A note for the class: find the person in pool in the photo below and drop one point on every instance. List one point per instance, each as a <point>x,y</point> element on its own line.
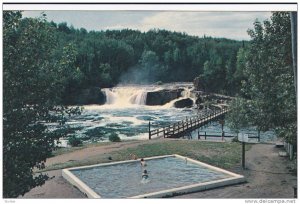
<point>145,174</point>
<point>143,162</point>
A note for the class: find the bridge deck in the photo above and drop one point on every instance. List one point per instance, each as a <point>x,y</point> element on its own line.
<point>183,127</point>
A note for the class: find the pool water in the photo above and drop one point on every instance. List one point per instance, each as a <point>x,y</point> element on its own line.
<point>125,179</point>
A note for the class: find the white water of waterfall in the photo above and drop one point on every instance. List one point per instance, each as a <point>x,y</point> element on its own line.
<point>110,96</point>
<point>186,93</point>
<point>140,98</point>
<point>126,96</point>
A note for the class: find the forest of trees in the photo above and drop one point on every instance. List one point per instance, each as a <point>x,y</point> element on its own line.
<point>107,58</point>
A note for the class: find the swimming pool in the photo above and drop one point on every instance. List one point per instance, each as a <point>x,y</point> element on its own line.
<point>168,175</point>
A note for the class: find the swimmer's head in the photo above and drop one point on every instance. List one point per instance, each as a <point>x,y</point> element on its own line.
<point>145,171</point>
<point>142,159</point>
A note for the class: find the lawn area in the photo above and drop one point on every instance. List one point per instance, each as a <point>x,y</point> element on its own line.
<point>221,154</point>
<point>224,155</point>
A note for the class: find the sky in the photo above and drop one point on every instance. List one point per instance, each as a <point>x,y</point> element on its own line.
<point>232,25</point>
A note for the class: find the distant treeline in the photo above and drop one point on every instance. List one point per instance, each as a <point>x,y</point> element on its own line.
<point>107,58</point>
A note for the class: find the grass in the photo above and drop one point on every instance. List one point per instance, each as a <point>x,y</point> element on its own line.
<point>221,154</point>
<point>224,155</point>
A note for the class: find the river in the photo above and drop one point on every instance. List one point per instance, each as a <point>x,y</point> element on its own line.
<point>126,114</point>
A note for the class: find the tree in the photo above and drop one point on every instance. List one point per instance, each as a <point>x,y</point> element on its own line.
<point>269,85</point>
<point>237,116</point>
<point>150,66</point>
<point>33,81</point>
<point>214,74</point>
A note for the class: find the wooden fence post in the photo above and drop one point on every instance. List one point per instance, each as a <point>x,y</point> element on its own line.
<point>173,130</point>
<point>243,155</point>
<point>205,135</point>
<point>149,132</point>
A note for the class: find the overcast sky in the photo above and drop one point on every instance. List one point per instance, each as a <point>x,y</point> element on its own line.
<point>232,25</point>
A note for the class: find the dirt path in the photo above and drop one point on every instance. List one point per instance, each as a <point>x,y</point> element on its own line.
<point>266,173</point>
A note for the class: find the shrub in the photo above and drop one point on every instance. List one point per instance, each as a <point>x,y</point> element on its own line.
<point>235,139</point>
<point>114,137</point>
<point>74,141</point>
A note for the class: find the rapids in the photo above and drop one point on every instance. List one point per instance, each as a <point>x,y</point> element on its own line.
<point>126,114</point>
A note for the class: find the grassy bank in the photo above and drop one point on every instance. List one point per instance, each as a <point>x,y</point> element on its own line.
<point>224,155</point>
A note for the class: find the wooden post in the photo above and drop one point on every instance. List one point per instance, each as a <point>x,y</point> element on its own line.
<point>173,129</point>
<point>258,135</point>
<point>223,135</point>
<point>205,135</point>
<point>198,135</point>
<point>293,16</point>
<point>149,132</point>
<point>243,155</point>
<point>164,133</point>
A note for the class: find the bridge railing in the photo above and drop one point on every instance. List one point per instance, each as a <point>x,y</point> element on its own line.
<point>205,135</point>
<point>185,125</point>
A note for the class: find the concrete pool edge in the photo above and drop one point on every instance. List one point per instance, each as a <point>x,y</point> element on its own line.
<point>84,188</point>
<point>192,188</point>
<point>119,162</point>
<point>79,184</point>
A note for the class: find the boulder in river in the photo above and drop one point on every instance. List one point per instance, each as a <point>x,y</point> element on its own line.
<point>162,97</point>
<point>199,84</point>
<point>200,106</point>
<point>184,103</point>
<point>92,95</point>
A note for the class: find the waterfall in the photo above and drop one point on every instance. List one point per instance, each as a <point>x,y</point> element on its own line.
<point>186,93</point>
<point>110,96</point>
<point>126,96</point>
<point>140,98</point>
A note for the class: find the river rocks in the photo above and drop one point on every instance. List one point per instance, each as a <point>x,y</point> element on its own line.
<point>199,100</point>
<point>184,103</point>
<point>199,84</point>
<point>92,95</point>
<point>162,97</point>
<point>200,106</point>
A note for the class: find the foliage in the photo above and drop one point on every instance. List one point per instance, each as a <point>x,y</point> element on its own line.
<point>106,58</point>
<point>113,137</point>
<point>74,141</point>
<point>237,116</point>
<point>33,82</point>
<point>269,85</point>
